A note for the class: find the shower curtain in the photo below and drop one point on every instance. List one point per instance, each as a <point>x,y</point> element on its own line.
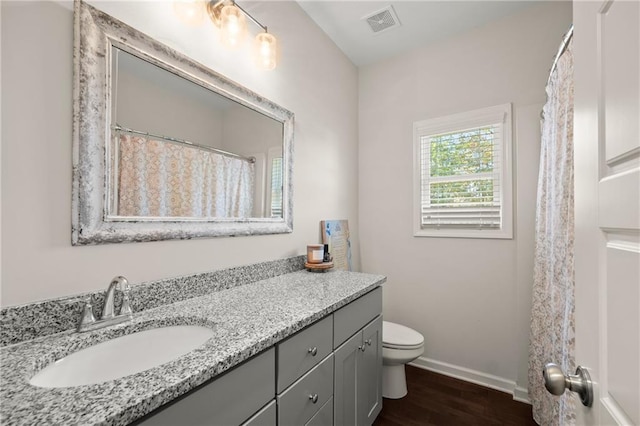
<point>552,320</point>
<point>160,179</point>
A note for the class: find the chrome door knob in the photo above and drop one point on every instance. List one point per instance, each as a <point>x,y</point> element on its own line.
<point>557,382</point>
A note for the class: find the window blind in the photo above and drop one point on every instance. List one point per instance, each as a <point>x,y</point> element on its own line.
<point>460,178</point>
<point>276,187</point>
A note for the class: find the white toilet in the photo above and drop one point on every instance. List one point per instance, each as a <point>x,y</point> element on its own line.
<point>400,345</point>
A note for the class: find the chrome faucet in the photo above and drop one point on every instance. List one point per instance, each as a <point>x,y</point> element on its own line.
<point>88,320</point>
<point>108,309</point>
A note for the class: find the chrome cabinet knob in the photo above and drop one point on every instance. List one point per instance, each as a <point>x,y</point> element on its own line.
<point>314,398</point>
<point>368,342</point>
<point>313,351</point>
<point>557,382</point>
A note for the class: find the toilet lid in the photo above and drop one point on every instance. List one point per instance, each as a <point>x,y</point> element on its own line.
<point>397,335</point>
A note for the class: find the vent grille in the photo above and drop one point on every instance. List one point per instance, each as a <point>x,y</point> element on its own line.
<point>383,20</point>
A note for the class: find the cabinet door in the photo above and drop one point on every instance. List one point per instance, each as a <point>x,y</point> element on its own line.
<point>345,381</point>
<point>226,400</point>
<point>369,401</point>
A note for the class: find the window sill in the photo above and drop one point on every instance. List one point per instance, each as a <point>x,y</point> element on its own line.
<point>496,234</point>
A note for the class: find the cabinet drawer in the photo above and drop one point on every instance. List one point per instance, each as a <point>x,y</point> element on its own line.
<point>351,318</point>
<point>264,417</point>
<point>296,405</point>
<point>324,417</point>
<point>226,400</point>
<point>303,351</point>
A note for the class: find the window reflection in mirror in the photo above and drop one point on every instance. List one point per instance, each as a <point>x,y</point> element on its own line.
<point>181,150</point>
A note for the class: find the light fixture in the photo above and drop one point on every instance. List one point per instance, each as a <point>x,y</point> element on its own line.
<point>233,26</point>
<point>230,18</point>
<point>266,49</point>
<point>189,12</point>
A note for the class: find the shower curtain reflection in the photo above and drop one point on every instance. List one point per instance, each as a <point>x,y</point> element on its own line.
<point>160,179</point>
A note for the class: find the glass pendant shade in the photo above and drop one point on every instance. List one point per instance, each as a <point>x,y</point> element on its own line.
<point>266,51</point>
<point>189,12</point>
<point>233,26</point>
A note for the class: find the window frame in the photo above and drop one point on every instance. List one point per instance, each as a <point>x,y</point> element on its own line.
<point>273,153</point>
<point>460,122</point>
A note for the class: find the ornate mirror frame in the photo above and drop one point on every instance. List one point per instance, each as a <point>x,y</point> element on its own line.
<point>95,33</point>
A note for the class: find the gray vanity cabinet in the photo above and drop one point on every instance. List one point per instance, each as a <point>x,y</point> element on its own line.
<point>264,417</point>
<point>351,339</point>
<point>358,361</point>
<point>299,403</point>
<point>302,351</point>
<point>328,373</point>
<point>345,380</point>
<point>369,403</point>
<point>305,375</point>
<point>358,377</point>
<point>230,399</point>
<point>324,416</point>
<point>351,318</point>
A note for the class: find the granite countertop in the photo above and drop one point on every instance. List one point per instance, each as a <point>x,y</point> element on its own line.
<point>246,320</point>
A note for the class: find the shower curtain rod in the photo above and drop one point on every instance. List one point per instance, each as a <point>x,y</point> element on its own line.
<point>563,47</point>
<point>119,128</point>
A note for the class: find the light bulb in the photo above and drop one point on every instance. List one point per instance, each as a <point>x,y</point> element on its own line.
<point>189,12</point>
<point>266,51</point>
<point>233,26</point>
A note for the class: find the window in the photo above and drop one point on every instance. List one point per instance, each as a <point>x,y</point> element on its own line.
<point>276,187</point>
<point>275,174</point>
<point>462,182</point>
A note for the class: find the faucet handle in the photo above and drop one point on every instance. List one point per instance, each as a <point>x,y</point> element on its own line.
<point>125,309</point>
<point>87,317</point>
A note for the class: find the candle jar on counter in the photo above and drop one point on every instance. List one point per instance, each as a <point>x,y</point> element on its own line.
<point>315,253</point>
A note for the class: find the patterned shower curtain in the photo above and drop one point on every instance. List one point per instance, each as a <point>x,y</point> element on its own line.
<point>552,335</point>
<point>162,179</point>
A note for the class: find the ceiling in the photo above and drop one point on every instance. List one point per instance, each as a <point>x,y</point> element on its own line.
<point>421,23</point>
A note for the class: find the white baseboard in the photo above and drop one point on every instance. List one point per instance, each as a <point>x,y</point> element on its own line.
<point>473,376</point>
<point>521,394</point>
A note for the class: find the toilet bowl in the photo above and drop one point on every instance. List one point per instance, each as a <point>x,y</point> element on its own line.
<point>400,345</point>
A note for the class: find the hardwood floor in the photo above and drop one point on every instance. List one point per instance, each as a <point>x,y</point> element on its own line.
<point>434,399</point>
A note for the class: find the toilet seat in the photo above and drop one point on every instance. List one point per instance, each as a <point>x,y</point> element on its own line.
<point>396,336</point>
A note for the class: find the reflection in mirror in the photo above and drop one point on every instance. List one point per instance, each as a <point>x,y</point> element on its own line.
<point>166,148</point>
<point>181,150</point>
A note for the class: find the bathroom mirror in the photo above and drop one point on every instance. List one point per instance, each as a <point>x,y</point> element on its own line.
<point>165,148</point>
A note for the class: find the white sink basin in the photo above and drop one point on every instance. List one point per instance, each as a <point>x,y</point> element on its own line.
<point>122,356</point>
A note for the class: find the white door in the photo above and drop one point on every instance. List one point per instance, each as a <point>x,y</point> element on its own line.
<point>607,202</point>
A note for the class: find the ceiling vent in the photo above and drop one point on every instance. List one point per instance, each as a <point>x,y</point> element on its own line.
<point>382,20</point>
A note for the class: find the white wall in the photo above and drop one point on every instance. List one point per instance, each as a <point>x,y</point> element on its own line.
<point>38,261</point>
<point>470,298</point>
<point>142,104</point>
<point>246,132</point>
